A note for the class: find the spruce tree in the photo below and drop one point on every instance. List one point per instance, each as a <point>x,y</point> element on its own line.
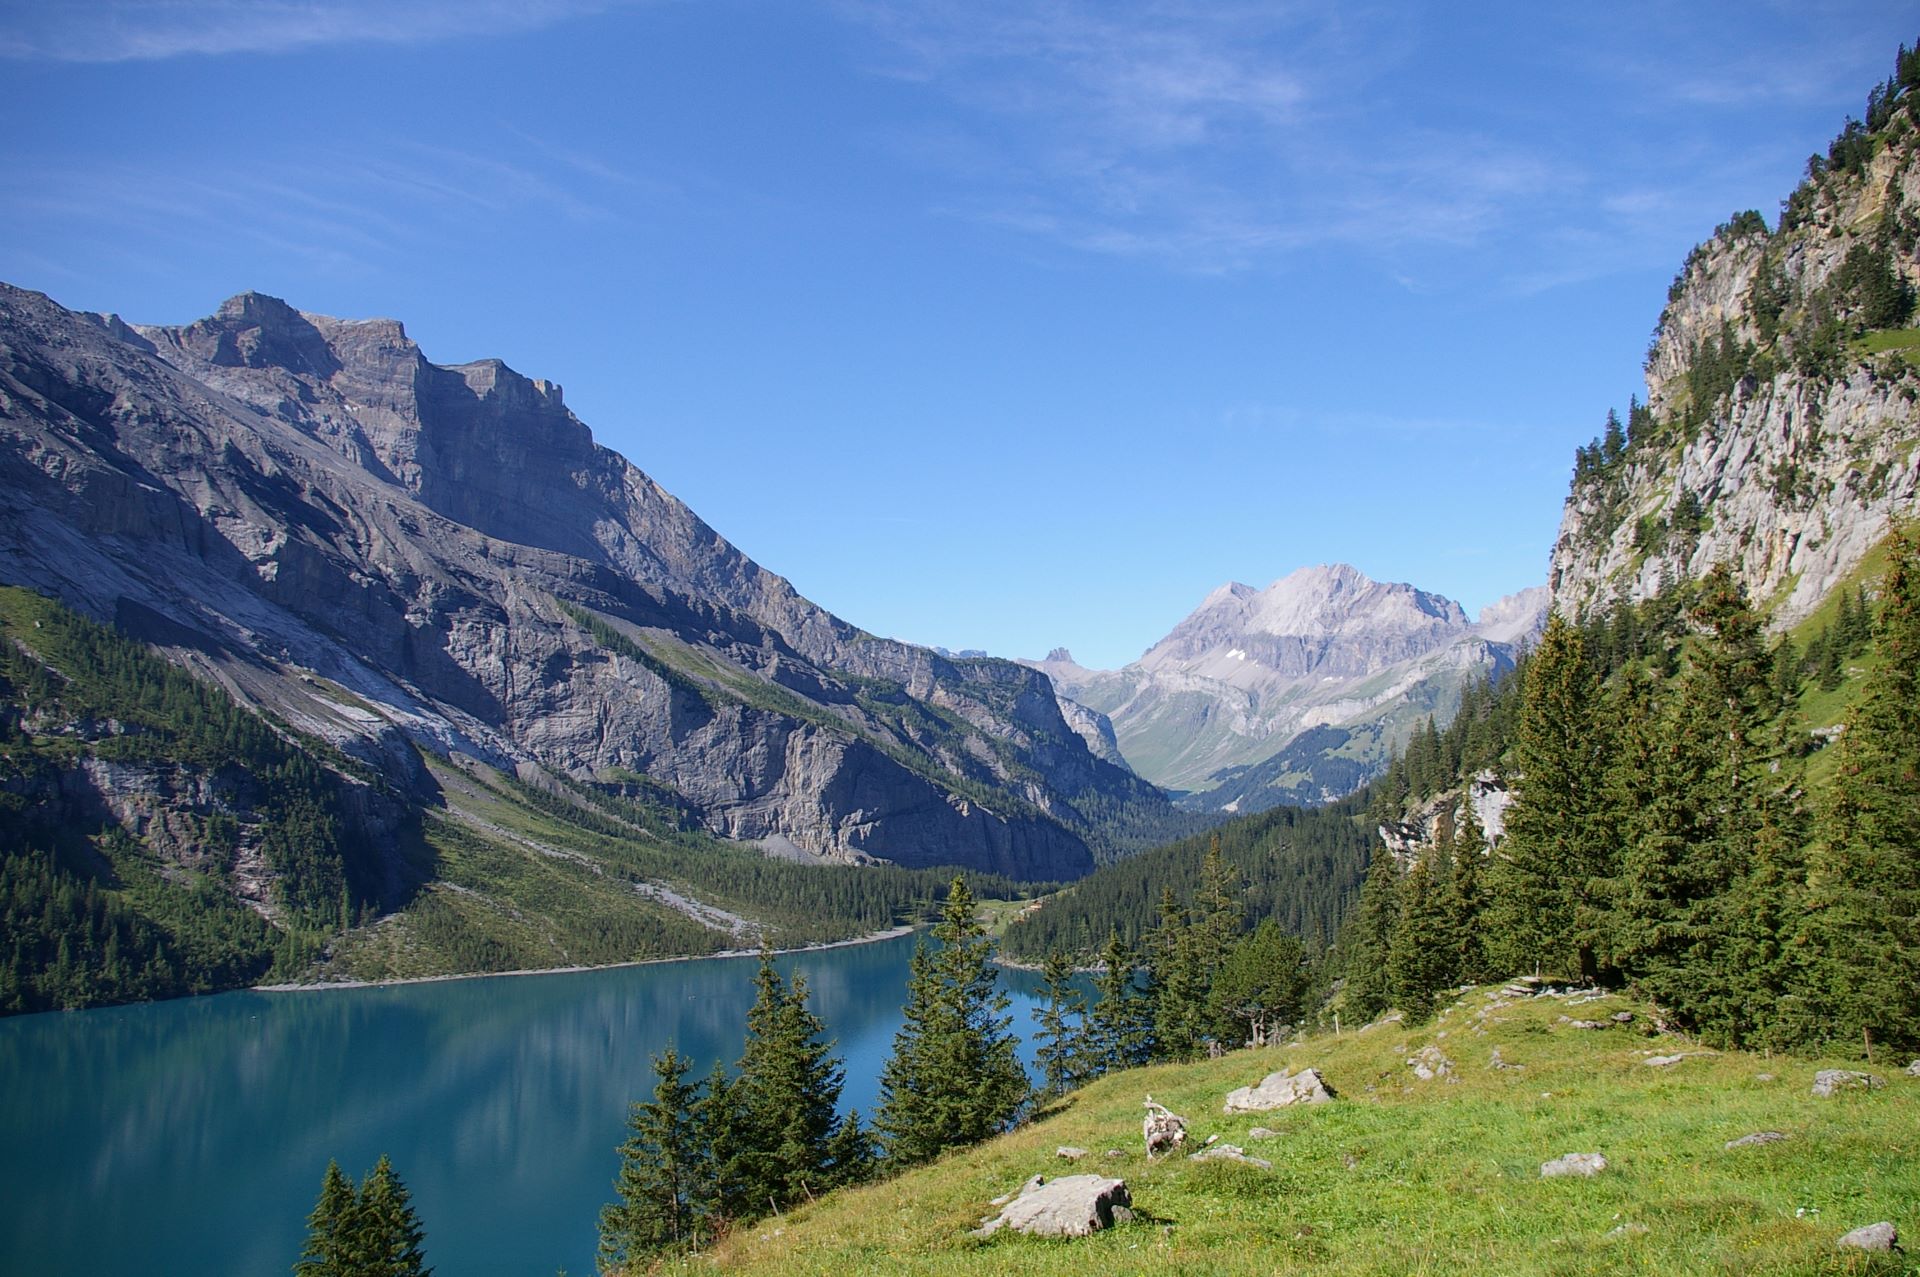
<point>1465,903</point>
<point>1865,876</point>
<point>1559,852</point>
<point>1366,941</point>
<point>1120,1025</point>
<point>389,1231</point>
<point>665,1182</point>
<point>1175,982</point>
<point>331,1233</point>
<point>783,1101</point>
<point>1062,1041</point>
<point>954,1078</point>
<point>1421,956</point>
<point>1262,986</point>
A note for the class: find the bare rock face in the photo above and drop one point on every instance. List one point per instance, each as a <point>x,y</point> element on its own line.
<point>1072,1206</point>
<point>278,496</point>
<point>1799,469</point>
<point>1280,1090</point>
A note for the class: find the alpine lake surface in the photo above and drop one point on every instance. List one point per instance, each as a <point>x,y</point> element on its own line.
<point>190,1136</point>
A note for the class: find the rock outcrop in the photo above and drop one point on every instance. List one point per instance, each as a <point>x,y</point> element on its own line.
<point>291,502</point>
<point>1780,429</point>
<point>1280,1090</point>
<point>1072,1206</point>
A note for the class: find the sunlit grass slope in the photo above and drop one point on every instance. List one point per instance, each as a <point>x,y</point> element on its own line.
<point>1405,1176</point>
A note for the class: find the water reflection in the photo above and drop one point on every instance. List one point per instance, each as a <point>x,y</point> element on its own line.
<point>190,1136</point>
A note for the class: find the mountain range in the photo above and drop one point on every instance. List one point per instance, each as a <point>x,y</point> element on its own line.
<point>408,559</point>
<point>1295,693</point>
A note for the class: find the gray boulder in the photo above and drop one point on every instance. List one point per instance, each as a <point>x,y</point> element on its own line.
<point>1280,1090</point>
<point>1881,1236</point>
<point>1913,1070</point>
<point>1428,1063</point>
<point>1072,1206</point>
<point>1828,1082</point>
<point>1573,1164</point>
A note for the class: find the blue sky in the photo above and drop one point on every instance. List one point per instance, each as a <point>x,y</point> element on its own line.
<point>998,325</point>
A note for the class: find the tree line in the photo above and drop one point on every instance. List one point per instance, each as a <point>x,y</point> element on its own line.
<point>1665,835</point>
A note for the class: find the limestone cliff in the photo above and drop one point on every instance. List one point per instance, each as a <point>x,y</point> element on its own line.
<point>293,503</point>
<point>1783,397</point>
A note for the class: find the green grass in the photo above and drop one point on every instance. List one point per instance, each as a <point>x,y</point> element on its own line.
<point>1888,339</point>
<point>1401,1176</point>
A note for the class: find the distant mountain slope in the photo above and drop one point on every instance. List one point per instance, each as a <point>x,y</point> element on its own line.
<point>282,499</point>
<point>1295,693</point>
<point>1783,397</point>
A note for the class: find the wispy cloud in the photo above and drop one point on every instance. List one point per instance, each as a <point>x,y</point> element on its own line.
<point>137,30</point>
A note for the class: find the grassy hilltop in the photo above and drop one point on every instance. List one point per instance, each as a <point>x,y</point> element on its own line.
<point>1406,1176</point>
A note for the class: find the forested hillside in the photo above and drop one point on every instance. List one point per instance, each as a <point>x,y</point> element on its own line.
<point>157,839</point>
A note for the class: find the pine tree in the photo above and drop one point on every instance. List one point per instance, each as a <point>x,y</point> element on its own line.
<point>331,1230</point>
<point>1175,983</point>
<point>954,1077</point>
<point>1120,1024</point>
<point>1558,852</point>
<point>782,1103</point>
<point>1420,959</point>
<point>1062,1040</point>
<point>1865,876</point>
<point>665,1184</point>
<point>1465,903</point>
<point>390,1236</point>
<point>1219,917</point>
<point>1366,941</point>
<point>1262,985</point>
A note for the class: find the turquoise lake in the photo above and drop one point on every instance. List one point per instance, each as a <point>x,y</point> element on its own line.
<point>190,1137</point>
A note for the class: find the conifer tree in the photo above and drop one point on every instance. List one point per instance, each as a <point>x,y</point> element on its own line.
<point>1262,985</point>
<point>1062,1041</point>
<point>389,1231</point>
<point>665,1184</point>
<point>331,1230</point>
<point>1558,851</point>
<point>1465,903</point>
<point>1176,983</point>
<point>1421,957</point>
<point>1120,1025</point>
<point>784,1099</point>
<point>1865,876</point>
<point>954,1077</point>
<point>1366,941</point>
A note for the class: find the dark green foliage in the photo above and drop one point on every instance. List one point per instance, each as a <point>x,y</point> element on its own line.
<point>1301,866</point>
<point>1365,952</point>
<point>664,1188</point>
<point>1063,1043</point>
<point>1262,987</point>
<point>1423,954</point>
<point>1559,851</point>
<point>1865,878</point>
<point>953,1078</point>
<point>1120,1023</point>
<point>368,1232</point>
<point>1870,289</point>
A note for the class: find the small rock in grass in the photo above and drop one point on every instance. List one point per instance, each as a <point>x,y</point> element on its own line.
<point>1629,1230</point>
<point>1262,1133</point>
<point>1763,1077</point>
<point>1881,1236</point>
<point>1279,1090</point>
<point>1756,1139</point>
<point>1498,1061</point>
<point>1833,1081</point>
<point>1113,1153</point>
<point>1229,1153</point>
<point>1428,1063</point>
<point>1913,1070</point>
<point>1587,1024</point>
<point>1623,1017</point>
<point>1070,1153</point>
<point>1664,1061</point>
<point>1582,1164</point>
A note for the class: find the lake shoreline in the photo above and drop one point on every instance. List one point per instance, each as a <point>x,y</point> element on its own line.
<point>322,986</point>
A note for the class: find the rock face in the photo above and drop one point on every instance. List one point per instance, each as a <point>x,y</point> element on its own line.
<point>281,498</point>
<point>1260,685</point>
<point>1788,462</point>
<point>1072,1206</point>
<point>1280,1090</point>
